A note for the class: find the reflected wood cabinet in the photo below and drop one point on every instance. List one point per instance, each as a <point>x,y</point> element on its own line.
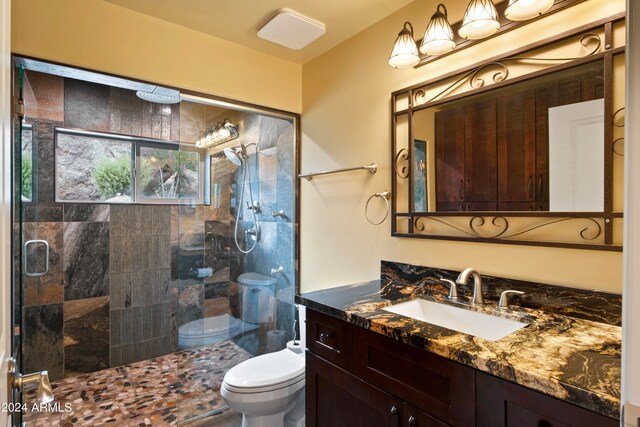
<point>386,383</point>
<point>492,154</point>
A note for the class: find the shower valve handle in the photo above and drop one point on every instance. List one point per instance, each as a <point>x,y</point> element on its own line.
<point>255,207</point>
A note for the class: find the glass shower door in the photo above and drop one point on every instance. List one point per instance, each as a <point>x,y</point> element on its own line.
<point>34,246</point>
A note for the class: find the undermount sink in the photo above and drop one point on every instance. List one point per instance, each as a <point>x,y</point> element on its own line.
<point>469,322</point>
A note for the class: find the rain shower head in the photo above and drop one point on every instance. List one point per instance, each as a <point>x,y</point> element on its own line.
<point>235,155</point>
<point>159,96</point>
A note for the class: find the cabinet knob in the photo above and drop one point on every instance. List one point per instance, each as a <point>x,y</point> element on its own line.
<point>393,421</point>
<point>412,421</point>
<point>539,189</point>
<point>324,337</point>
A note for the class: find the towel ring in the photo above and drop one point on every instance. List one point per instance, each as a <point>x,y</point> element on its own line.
<point>384,195</point>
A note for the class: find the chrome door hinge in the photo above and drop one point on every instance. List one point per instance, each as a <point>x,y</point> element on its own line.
<point>20,108</point>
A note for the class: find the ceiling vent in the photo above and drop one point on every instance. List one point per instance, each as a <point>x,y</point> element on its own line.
<point>291,29</point>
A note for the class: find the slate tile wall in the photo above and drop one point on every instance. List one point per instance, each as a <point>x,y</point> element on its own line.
<point>139,256</point>
<point>123,278</point>
<point>106,298</point>
<point>272,184</point>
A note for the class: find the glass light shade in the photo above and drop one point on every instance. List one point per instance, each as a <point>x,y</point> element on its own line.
<point>480,20</point>
<point>521,10</point>
<point>224,133</point>
<point>405,51</point>
<point>438,37</point>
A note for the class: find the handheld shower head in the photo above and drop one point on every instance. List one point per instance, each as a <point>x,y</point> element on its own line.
<point>235,155</point>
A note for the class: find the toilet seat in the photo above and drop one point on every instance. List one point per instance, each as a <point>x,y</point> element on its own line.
<point>210,330</point>
<point>293,385</point>
<point>267,372</point>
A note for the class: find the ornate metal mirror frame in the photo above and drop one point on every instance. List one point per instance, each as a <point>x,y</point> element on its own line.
<point>598,41</point>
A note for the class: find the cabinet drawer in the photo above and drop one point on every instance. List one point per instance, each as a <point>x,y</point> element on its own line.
<point>413,417</point>
<point>504,404</point>
<point>433,384</point>
<point>329,338</point>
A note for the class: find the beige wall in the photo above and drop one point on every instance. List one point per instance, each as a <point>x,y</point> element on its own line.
<point>346,122</point>
<point>101,36</point>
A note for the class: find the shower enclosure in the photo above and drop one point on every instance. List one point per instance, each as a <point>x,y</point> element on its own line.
<point>154,238</point>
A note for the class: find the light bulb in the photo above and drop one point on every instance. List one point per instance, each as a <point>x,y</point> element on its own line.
<point>521,10</point>
<point>438,37</point>
<point>480,20</point>
<point>405,51</point>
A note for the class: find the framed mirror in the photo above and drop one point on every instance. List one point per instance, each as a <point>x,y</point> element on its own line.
<point>526,148</point>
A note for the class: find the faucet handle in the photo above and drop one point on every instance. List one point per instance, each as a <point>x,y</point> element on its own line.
<point>503,304</point>
<point>453,289</point>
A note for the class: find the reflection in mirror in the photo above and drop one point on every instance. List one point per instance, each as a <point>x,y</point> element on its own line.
<point>419,176</point>
<point>27,162</point>
<point>535,145</point>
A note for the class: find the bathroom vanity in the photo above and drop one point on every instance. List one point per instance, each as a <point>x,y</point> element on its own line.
<point>368,367</point>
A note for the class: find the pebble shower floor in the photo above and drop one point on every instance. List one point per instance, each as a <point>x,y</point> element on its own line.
<point>164,391</point>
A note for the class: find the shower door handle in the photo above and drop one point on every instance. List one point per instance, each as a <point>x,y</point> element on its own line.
<point>26,258</point>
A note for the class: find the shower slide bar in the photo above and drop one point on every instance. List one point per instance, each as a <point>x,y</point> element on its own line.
<point>372,168</point>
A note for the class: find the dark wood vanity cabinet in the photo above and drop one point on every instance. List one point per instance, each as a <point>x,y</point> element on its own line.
<point>504,404</point>
<point>359,378</point>
<point>466,163</point>
<point>519,184</point>
<point>387,383</point>
<point>450,181</point>
<point>486,156</point>
<point>493,153</point>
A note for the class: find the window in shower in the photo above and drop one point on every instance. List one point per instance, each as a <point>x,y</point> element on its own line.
<point>26,164</point>
<point>109,168</point>
<point>169,174</point>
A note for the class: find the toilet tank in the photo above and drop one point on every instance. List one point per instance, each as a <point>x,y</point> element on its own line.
<point>257,294</point>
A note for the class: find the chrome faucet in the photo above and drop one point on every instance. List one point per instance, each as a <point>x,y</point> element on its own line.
<point>477,284</point>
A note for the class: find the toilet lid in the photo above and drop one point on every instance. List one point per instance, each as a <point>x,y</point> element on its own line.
<point>267,370</point>
<point>223,325</point>
<point>256,279</point>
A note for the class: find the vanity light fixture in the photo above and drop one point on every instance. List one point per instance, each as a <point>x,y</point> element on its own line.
<point>438,37</point>
<point>405,50</point>
<point>480,20</point>
<point>218,134</point>
<point>521,10</point>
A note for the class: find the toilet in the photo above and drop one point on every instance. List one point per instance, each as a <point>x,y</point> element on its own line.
<point>269,389</point>
<point>257,307</point>
<point>257,297</point>
<point>210,330</point>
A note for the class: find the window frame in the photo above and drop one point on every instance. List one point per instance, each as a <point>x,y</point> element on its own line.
<point>136,142</point>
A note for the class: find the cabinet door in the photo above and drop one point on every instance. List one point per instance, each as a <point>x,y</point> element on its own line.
<point>335,398</point>
<point>442,388</point>
<point>330,338</point>
<point>413,417</point>
<point>516,148</point>
<point>480,153</point>
<point>500,403</point>
<point>449,159</point>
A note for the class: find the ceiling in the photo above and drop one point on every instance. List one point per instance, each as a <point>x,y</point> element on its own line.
<point>239,20</point>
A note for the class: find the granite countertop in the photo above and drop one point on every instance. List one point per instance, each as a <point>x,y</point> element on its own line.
<point>570,358</point>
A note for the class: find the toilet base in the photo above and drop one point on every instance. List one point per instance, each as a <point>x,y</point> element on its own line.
<point>292,416</point>
<point>274,420</point>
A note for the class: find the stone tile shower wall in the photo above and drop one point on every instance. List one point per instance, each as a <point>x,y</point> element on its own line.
<point>106,299</point>
<point>123,278</point>
<point>272,184</point>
